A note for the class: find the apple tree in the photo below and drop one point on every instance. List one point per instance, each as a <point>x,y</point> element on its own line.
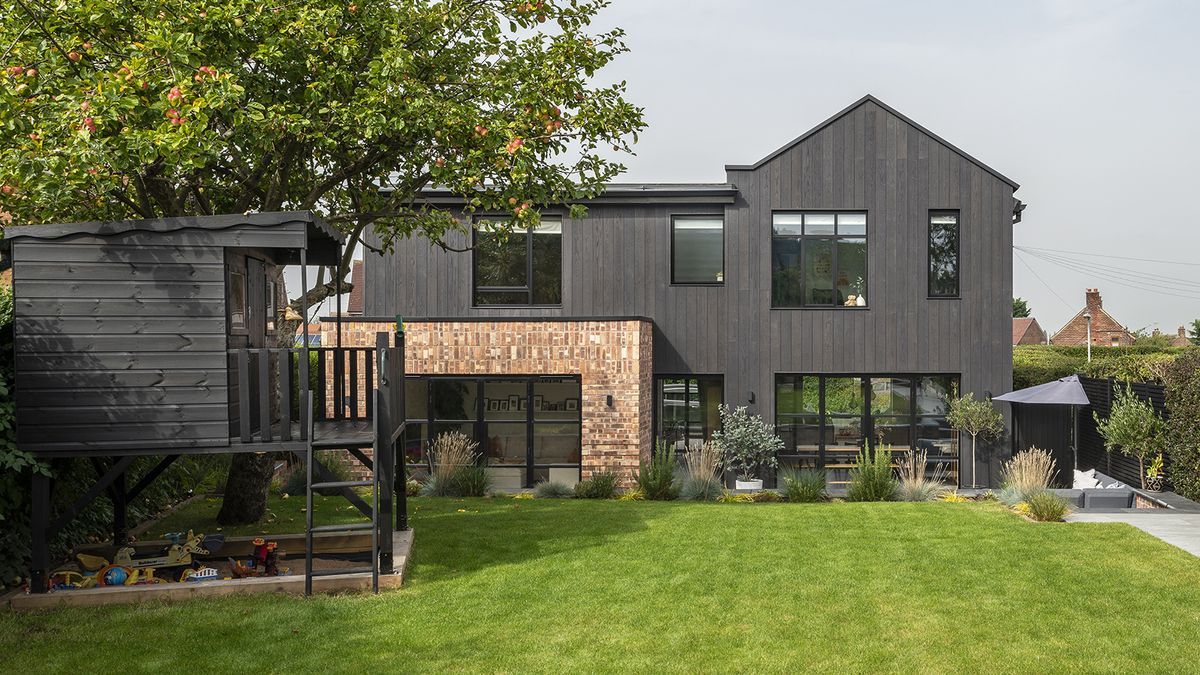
<point>147,108</point>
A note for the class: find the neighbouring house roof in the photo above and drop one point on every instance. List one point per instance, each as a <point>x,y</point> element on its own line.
<point>881,104</point>
<point>1021,327</point>
<point>1104,325</point>
<point>1180,338</point>
<point>354,306</point>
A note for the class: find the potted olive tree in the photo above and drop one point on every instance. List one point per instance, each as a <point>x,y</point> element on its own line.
<point>977,418</point>
<point>1133,428</point>
<point>748,445</point>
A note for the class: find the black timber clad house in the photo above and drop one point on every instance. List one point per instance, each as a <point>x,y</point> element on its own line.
<point>152,337</point>
<point>849,281</point>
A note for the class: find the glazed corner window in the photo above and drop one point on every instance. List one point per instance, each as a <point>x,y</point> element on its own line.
<point>237,299</point>
<point>698,250</point>
<point>819,260</point>
<point>522,267</point>
<point>943,254</point>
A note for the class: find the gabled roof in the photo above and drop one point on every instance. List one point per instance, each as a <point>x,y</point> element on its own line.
<point>1020,327</point>
<point>881,104</point>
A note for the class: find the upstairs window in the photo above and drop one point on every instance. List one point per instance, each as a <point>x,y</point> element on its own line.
<point>819,260</point>
<point>698,250</point>
<point>523,267</point>
<point>943,254</point>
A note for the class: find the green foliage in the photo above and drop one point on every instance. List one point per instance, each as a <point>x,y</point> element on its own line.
<point>412,488</point>
<point>468,480</point>
<point>748,444</point>
<point>552,489</point>
<point>295,476</point>
<point>736,498</point>
<point>1020,308</point>
<point>1133,427</point>
<point>143,108</point>
<point>656,478</point>
<point>765,496</point>
<point>920,490</point>
<point>1183,424</point>
<point>1038,364</point>
<point>701,489</point>
<point>872,478</point>
<point>975,417</point>
<point>1194,332</point>
<point>1047,507</point>
<point>601,485</point>
<point>804,485</point>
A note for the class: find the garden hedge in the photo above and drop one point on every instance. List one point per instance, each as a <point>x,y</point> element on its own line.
<point>1038,364</point>
<point>1183,427</point>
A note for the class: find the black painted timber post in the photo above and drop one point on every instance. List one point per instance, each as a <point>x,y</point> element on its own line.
<point>385,452</point>
<point>120,499</point>
<point>40,529</point>
<point>401,458</point>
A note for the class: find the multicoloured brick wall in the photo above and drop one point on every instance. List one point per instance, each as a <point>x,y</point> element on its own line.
<point>611,358</point>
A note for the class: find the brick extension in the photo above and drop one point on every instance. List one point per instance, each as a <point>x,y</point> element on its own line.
<point>611,357</point>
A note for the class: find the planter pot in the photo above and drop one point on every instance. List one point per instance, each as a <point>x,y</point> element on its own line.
<point>747,484</point>
<point>1154,483</point>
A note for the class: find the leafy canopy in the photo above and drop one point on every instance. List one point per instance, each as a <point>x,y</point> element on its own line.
<point>1132,426</point>
<point>976,417</point>
<point>1020,308</point>
<point>145,108</point>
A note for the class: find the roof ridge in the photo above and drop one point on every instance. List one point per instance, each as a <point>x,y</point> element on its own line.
<point>842,113</point>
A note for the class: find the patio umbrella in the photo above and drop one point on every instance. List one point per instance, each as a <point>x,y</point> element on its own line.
<point>1063,391</point>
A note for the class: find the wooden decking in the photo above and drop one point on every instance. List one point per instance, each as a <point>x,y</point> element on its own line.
<point>359,433</point>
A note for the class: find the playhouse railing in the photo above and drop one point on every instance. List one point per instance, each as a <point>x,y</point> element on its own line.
<point>341,381</point>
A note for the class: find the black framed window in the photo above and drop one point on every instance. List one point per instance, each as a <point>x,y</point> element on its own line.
<point>523,267</point>
<point>943,254</point>
<point>528,427</point>
<point>685,408</point>
<point>825,420</point>
<point>819,259</point>
<point>698,250</point>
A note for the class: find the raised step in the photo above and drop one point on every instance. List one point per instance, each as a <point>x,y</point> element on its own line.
<point>343,484</point>
<point>344,570</point>
<point>352,527</point>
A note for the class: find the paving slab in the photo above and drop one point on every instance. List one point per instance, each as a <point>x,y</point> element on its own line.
<point>1181,529</point>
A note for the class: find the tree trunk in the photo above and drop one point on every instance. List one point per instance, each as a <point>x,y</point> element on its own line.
<point>248,483</point>
<point>1142,471</point>
<point>246,488</point>
<point>974,470</point>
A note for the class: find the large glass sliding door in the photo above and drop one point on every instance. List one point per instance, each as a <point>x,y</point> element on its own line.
<point>528,428</point>
<point>826,420</point>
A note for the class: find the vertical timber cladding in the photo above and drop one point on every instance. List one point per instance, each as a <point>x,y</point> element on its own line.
<point>611,358</point>
<point>616,262</point>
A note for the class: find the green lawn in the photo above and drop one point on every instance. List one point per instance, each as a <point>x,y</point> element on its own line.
<point>506,585</point>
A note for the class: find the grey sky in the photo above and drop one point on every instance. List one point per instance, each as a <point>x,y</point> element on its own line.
<point>1090,105</point>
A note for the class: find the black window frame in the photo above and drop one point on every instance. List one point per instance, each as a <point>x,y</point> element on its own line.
<point>957,254</point>
<point>479,421</point>
<point>656,416</point>
<point>833,239</point>
<point>697,216</point>
<point>866,416</point>
<point>528,287</point>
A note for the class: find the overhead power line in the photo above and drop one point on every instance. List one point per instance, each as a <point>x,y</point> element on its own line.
<point>1158,284</point>
<point>1105,255</point>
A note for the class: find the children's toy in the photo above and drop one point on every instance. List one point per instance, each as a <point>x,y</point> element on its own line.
<point>264,561</point>
<point>177,554</point>
<point>113,575</point>
<point>90,563</point>
<point>69,580</point>
<point>202,574</point>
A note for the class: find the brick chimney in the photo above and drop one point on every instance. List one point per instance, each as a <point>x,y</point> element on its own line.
<point>1094,303</point>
